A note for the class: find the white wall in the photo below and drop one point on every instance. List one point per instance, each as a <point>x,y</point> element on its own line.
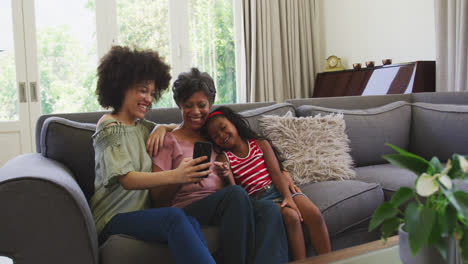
<point>363,30</point>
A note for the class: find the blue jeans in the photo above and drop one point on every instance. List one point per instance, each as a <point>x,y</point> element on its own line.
<point>171,225</point>
<point>250,231</point>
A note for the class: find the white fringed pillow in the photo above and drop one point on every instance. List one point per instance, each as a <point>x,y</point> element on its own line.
<point>314,148</point>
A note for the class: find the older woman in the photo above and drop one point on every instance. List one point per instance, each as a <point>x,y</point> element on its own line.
<point>250,232</point>
<point>129,81</point>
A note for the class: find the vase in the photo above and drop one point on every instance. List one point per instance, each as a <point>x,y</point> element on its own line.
<point>427,255</point>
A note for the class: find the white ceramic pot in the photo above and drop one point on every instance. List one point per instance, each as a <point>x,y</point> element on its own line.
<point>426,255</point>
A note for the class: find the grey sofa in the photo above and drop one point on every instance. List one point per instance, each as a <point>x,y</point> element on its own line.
<point>45,217</point>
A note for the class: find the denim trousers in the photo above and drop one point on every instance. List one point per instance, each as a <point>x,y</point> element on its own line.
<point>171,225</point>
<point>250,231</point>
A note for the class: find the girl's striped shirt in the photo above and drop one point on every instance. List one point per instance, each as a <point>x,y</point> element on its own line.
<point>250,172</point>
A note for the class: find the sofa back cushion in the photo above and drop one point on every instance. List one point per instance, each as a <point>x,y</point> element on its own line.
<point>71,144</point>
<point>351,102</point>
<point>158,115</point>
<point>369,129</point>
<point>439,130</point>
<point>253,115</point>
<point>458,98</point>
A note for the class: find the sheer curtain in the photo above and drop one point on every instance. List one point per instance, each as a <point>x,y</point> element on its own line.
<point>451,17</point>
<point>277,48</point>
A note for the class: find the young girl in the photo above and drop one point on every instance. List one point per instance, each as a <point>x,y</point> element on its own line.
<point>251,161</point>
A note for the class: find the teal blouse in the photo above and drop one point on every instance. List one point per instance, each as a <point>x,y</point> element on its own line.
<point>119,149</point>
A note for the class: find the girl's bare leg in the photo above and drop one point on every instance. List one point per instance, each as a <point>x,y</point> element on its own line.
<point>294,232</point>
<point>316,226</point>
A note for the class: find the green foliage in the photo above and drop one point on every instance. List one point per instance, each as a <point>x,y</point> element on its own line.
<point>418,222</point>
<point>212,40</point>
<point>8,91</point>
<point>67,76</point>
<point>68,69</point>
<point>408,161</point>
<point>445,212</point>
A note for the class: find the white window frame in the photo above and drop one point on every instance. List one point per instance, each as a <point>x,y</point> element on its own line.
<point>107,35</point>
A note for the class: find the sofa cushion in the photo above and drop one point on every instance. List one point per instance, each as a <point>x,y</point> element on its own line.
<point>314,148</point>
<point>172,114</point>
<point>391,178</point>
<point>369,129</point>
<point>252,116</point>
<point>126,249</point>
<point>70,143</point>
<point>439,130</point>
<point>458,98</point>
<point>351,102</point>
<point>344,204</point>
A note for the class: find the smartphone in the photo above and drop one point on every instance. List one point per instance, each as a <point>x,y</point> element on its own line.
<point>200,149</point>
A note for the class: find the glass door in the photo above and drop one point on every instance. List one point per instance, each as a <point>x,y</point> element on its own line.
<point>61,55</point>
<point>15,135</point>
<point>48,63</point>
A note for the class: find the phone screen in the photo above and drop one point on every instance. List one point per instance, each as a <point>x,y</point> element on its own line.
<point>200,149</point>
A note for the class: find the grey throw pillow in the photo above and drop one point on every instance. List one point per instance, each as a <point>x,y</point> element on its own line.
<point>369,129</point>
<point>314,149</point>
<point>70,143</point>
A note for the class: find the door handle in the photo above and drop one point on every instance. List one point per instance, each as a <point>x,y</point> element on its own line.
<point>33,91</point>
<point>22,92</point>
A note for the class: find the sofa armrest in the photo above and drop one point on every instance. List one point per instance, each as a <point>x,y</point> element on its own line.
<point>45,217</point>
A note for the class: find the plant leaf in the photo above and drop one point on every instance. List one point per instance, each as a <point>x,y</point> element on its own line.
<point>459,200</point>
<point>462,199</point>
<point>437,228</point>
<point>390,227</point>
<point>441,246</point>
<point>419,221</point>
<point>401,196</point>
<point>456,170</point>
<point>450,219</point>
<point>385,211</point>
<point>438,168</point>
<point>416,165</point>
<point>464,243</point>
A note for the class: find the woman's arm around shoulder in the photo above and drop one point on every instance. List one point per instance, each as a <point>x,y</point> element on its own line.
<point>155,140</point>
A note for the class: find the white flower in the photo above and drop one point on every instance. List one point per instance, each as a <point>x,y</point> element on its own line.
<point>426,185</point>
<point>447,167</point>
<point>446,181</point>
<point>463,164</point>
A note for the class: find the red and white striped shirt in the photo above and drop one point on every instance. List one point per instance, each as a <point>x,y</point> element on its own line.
<point>249,172</point>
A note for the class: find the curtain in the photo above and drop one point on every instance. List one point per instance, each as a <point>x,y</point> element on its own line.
<point>451,20</point>
<point>277,48</point>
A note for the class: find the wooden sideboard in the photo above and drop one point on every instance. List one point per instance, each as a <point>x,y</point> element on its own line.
<point>412,77</point>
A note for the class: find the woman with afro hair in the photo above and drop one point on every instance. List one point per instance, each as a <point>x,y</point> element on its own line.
<point>128,82</point>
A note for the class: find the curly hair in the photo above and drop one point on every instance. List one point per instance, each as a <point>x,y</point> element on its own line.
<point>188,83</point>
<point>243,129</point>
<point>121,68</point>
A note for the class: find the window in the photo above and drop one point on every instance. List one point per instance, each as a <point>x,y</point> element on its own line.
<point>66,55</point>
<point>212,44</point>
<point>69,34</point>
<point>189,33</point>
<point>8,91</point>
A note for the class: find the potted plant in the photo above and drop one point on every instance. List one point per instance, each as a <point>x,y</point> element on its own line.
<point>436,213</point>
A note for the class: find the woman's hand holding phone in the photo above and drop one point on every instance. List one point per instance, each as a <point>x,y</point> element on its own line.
<point>189,172</point>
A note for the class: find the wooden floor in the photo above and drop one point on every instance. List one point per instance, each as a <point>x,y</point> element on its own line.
<point>349,252</point>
